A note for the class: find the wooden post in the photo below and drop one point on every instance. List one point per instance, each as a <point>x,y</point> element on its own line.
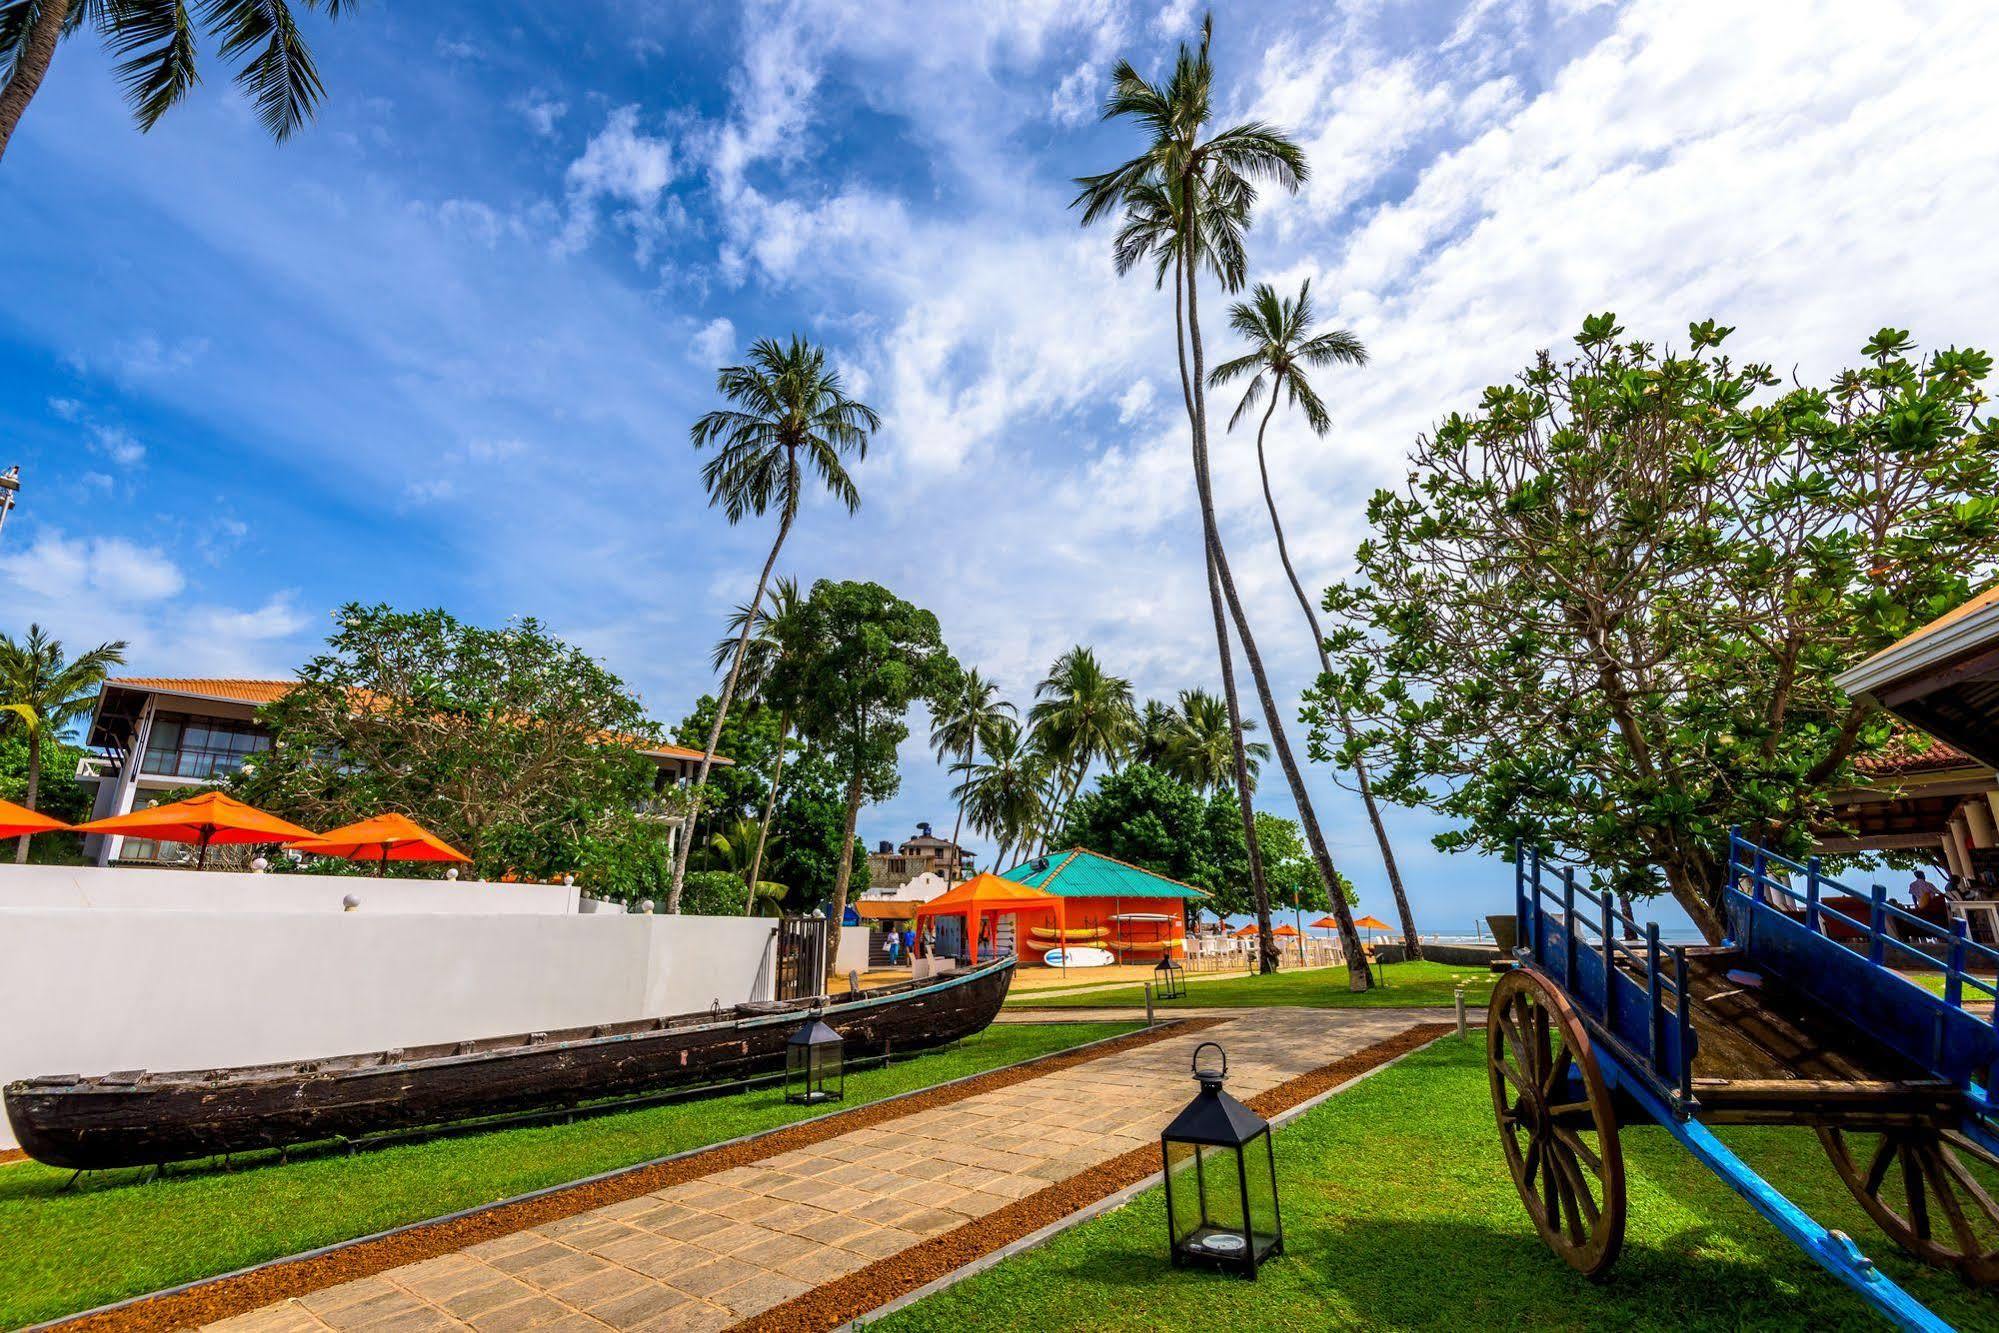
<point>1685,1023</point>
<point>1877,942</point>
<point>1569,927</point>
<point>1655,1016</point>
<point>1609,958</point>
<point>1812,894</point>
<point>1953,981</point>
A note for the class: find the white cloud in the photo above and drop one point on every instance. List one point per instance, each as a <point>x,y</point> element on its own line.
<point>430,490</point>
<point>111,568</point>
<point>146,356</point>
<point>66,408</point>
<point>715,343</point>
<point>495,450</point>
<point>623,164</point>
<point>541,111</point>
<point>118,445</point>
<point>1135,403</point>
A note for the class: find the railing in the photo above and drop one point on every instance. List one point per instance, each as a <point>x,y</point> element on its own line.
<point>1590,973</point>
<point>1751,865</point>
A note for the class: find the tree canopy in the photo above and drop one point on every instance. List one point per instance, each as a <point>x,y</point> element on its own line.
<point>1159,823</point>
<point>1605,613</point>
<point>509,743</point>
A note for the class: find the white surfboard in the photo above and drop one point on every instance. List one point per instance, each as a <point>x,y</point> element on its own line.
<point>1079,956</point>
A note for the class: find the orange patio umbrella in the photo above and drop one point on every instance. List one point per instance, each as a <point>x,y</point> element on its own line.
<point>1244,933</point>
<point>1286,931</point>
<point>210,818</point>
<point>16,820</point>
<point>382,839</point>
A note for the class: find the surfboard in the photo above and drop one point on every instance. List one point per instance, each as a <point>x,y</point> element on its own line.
<point>1081,955</point>
<point>1141,916</point>
<point>1151,946</point>
<point>1083,933</point>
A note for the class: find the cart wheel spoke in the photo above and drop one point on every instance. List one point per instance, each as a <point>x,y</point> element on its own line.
<point>1557,1071</point>
<point>1912,1188</point>
<point>1947,1153</point>
<point>1877,1170</point>
<point>1578,1186</point>
<point>1533,1161</point>
<point>1953,1212</point>
<point>1580,1150</point>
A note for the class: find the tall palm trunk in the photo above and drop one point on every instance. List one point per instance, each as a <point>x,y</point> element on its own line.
<point>841,876</point>
<point>1357,969</point>
<point>1259,891</point>
<point>36,52</point>
<point>34,787</point>
<point>1410,942</point>
<point>721,716</point>
<point>770,808</point>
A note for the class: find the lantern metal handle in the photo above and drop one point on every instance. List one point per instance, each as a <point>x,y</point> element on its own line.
<point>1195,1063</point>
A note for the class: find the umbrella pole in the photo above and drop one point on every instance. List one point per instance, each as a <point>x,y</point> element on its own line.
<point>201,856</point>
<point>382,866</point>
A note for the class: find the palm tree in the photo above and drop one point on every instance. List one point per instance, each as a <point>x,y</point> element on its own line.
<point>1002,795</point>
<point>1201,749</point>
<point>1184,201</point>
<point>1283,348</point>
<point>1081,714</point>
<point>791,413</point>
<point>759,660</point>
<point>1152,733</point>
<point>156,39</point>
<point>957,724</point>
<point>47,693</point>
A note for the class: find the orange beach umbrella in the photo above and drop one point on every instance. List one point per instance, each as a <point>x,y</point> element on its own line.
<point>210,818</point>
<point>1327,922</point>
<point>383,839</point>
<point>1285,931</point>
<point>16,820</point>
<point>1373,923</point>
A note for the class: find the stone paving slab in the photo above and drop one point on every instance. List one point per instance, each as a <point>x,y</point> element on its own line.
<point>711,1252</point>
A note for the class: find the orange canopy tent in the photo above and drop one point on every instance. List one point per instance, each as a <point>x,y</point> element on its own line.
<point>986,894</point>
<point>18,820</point>
<point>383,839</point>
<point>209,818</point>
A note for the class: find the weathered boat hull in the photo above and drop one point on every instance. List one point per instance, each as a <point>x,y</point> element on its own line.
<point>144,1118</point>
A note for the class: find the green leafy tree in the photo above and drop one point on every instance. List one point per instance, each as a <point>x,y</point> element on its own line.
<point>58,794</point>
<point>1184,203</point>
<point>1284,350</point>
<point>789,414</point>
<point>957,725</point>
<point>759,659</point>
<point>42,694</point>
<point>509,743</point>
<point>807,835</point>
<point>155,40</point>
<point>1605,615</point>
<point>854,662</point>
<point>1157,822</point>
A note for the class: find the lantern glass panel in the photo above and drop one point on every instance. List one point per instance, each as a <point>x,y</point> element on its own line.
<point>1259,1162</point>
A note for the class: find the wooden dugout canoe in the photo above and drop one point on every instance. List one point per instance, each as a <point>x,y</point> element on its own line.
<point>140,1118</point>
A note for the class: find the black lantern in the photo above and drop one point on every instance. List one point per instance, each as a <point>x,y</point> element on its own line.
<point>814,1065</point>
<point>1169,979</point>
<point>1221,1179</point>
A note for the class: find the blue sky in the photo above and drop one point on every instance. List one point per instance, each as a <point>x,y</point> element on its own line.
<point>444,347</point>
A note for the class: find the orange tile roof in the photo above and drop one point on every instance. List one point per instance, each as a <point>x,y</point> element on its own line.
<point>212,687</point>
<point>1912,751</point>
<point>236,690</point>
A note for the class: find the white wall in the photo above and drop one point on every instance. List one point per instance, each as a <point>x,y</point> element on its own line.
<point>851,954</point>
<point>90,991</point>
<point>130,887</point>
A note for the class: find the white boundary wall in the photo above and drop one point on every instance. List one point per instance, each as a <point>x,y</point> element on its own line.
<point>129,888</point>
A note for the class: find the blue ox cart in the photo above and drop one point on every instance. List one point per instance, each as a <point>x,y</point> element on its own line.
<point>1796,1019</point>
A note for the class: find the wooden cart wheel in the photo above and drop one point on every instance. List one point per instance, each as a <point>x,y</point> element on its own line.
<point>1572,1187</point>
<point>1921,1186</point>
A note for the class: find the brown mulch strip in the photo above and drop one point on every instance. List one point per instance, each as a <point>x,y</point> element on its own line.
<point>845,1299</point>
<point>281,1279</point>
<point>8,1156</point>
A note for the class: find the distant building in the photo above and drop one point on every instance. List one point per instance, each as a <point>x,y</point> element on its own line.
<point>891,866</point>
<point>196,732</point>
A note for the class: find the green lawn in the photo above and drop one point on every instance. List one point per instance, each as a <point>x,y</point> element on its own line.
<point>1324,988</point>
<point>66,1251</point>
<point>1399,1214</point>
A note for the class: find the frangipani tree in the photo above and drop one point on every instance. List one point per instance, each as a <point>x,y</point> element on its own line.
<point>1605,613</point>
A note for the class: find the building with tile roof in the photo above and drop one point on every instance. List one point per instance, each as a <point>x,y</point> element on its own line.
<point>1136,913</point>
<point>192,731</point>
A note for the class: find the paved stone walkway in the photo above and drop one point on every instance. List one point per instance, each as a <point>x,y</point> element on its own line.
<point>705,1254</point>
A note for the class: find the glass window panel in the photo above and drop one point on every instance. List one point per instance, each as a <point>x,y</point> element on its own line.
<point>1259,1162</point>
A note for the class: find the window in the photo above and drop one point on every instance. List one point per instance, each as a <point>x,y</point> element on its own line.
<point>200,748</point>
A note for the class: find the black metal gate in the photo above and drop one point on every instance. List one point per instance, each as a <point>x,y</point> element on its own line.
<point>801,956</point>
